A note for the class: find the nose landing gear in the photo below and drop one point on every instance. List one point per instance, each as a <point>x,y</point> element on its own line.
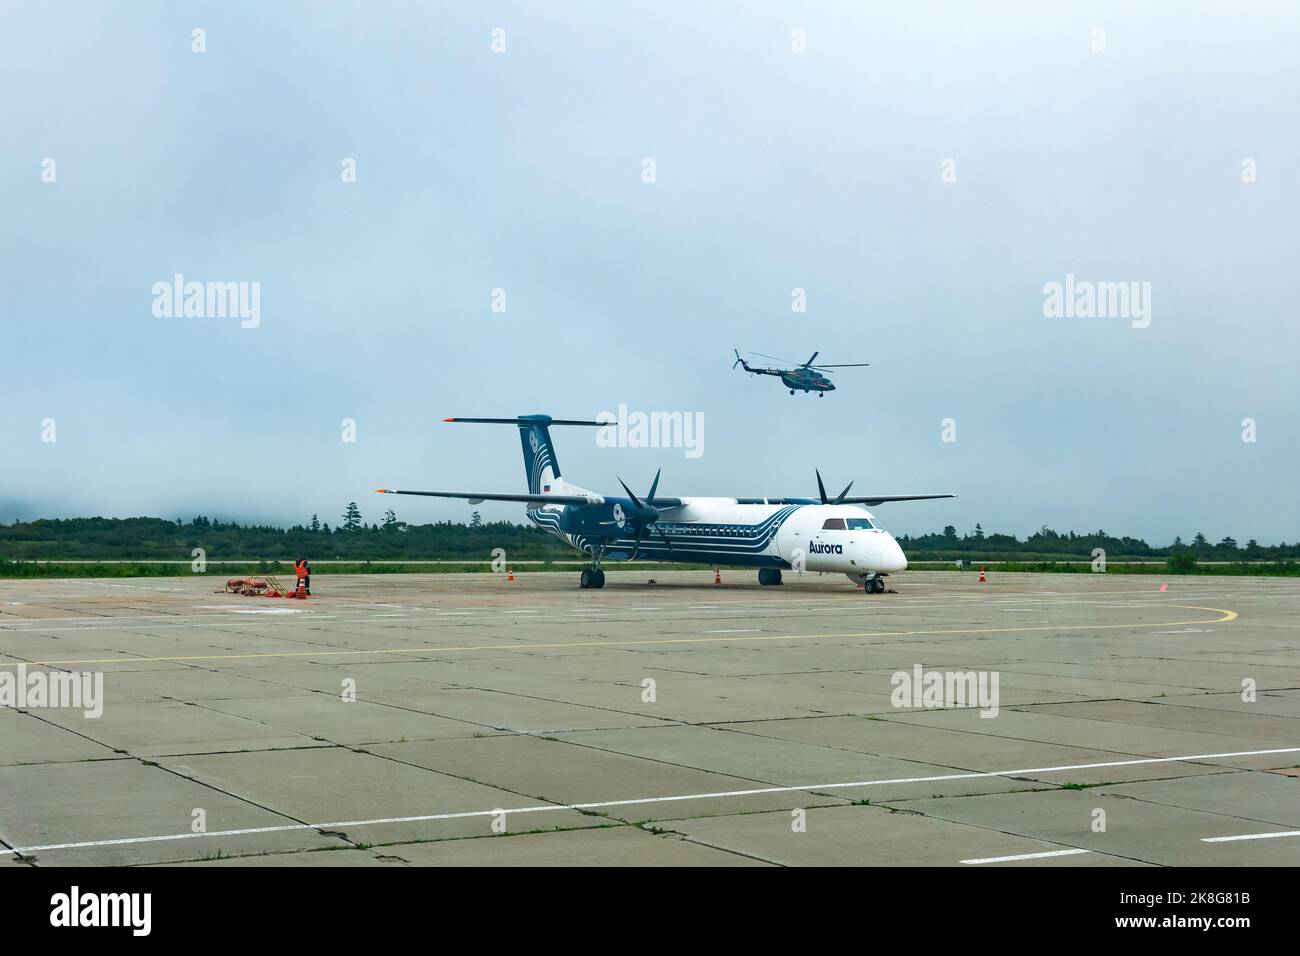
<point>874,585</point>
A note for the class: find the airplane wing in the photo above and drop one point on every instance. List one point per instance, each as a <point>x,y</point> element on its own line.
<point>881,499</point>
<point>856,500</point>
<point>474,497</point>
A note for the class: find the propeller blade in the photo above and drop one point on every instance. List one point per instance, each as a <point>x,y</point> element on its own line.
<point>843,493</point>
<point>810,361</point>
<point>821,489</point>
<point>665,537</point>
<point>848,365</point>
<point>654,486</point>
<point>635,500</point>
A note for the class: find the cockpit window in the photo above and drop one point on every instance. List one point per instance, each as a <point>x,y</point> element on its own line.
<point>860,524</point>
<point>833,524</point>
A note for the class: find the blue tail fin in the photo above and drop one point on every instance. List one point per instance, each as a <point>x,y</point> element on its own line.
<point>540,464</point>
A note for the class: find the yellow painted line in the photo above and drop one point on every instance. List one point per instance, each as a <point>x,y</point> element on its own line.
<point>526,648</point>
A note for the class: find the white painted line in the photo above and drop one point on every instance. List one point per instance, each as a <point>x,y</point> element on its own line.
<point>735,630</point>
<point>805,605</point>
<point>606,804</point>
<point>1251,836</point>
<point>1027,856</point>
<point>266,610</point>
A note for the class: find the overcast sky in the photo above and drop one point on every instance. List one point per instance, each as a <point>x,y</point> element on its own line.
<point>1115,156</point>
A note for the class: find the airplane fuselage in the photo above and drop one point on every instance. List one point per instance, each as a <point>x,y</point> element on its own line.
<point>845,539</point>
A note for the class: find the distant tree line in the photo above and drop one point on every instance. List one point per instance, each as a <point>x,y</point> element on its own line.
<point>350,539</point>
<point>391,539</point>
<point>1048,543</point>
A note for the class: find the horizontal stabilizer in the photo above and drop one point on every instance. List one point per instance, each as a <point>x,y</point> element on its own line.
<point>526,420</point>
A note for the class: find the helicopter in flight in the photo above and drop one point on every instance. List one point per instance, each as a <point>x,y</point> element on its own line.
<point>806,377</point>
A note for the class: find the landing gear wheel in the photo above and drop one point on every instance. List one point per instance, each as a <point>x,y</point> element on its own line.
<point>874,585</point>
<point>769,575</point>
<point>792,391</point>
<point>592,578</point>
<point>599,581</point>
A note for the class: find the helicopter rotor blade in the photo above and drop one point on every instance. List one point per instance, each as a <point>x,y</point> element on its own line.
<point>773,358</point>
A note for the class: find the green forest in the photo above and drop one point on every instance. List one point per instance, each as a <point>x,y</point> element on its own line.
<point>352,539</point>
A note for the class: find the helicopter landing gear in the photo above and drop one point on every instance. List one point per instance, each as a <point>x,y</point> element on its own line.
<point>874,585</point>
<point>821,394</point>
<point>792,391</point>
<point>769,575</point>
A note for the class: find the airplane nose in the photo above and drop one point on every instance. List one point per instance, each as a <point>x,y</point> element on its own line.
<point>892,558</point>
<point>898,557</point>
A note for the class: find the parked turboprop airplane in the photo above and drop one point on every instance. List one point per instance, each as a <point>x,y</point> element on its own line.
<point>771,534</point>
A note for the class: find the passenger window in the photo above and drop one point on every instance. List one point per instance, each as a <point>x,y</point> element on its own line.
<point>833,524</point>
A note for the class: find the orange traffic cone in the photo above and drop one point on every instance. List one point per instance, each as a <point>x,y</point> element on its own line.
<point>301,592</point>
<point>511,575</point>
<point>717,575</point>
<point>983,579</point>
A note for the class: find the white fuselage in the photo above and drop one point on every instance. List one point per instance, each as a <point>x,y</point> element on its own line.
<point>805,537</point>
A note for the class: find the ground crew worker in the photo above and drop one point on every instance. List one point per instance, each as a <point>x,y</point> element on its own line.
<point>303,570</point>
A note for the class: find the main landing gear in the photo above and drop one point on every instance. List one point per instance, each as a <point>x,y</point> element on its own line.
<point>593,577</point>
<point>769,575</point>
